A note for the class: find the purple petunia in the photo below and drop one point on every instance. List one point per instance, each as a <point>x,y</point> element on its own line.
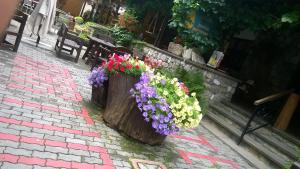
<point>97,77</point>
<point>154,108</point>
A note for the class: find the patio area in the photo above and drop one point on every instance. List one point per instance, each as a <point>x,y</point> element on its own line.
<point>48,121</point>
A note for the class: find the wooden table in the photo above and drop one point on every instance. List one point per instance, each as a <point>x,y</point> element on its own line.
<point>98,48</point>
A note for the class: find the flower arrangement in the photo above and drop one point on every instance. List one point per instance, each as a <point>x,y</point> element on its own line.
<point>166,104</point>
<point>98,77</point>
<point>116,65</point>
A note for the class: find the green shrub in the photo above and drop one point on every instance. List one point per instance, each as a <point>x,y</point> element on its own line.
<point>122,36</point>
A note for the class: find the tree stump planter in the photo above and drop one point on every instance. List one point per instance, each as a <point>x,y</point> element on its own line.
<point>99,95</point>
<point>122,113</point>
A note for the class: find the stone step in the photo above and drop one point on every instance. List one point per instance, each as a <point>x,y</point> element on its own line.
<point>268,136</point>
<point>281,133</point>
<point>270,153</point>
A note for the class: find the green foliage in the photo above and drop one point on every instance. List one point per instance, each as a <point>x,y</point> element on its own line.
<point>142,7</point>
<point>122,36</point>
<point>78,20</point>
<point>130,15</point>
<point>229,17</point>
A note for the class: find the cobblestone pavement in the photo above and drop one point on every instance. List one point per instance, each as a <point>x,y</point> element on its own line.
<point>46,121</point>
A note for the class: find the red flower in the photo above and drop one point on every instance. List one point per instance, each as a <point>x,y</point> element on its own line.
<point>129,66</point>
<point>104,63</point>
<point>122,69</point>
<point>110,65</point>
<point>117,66</point>
<point>137,67</point>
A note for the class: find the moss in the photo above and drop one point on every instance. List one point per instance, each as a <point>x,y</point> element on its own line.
<point>94,110</point>
<point>133,146</point>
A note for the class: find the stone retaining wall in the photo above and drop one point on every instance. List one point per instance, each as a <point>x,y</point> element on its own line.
<point>219,85</point>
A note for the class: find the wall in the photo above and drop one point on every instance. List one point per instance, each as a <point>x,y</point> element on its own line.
<point>219,85</point>
<point>72,6</point>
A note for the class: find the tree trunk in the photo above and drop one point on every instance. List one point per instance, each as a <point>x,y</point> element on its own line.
<point>122,113</point>
<point>99,95</point>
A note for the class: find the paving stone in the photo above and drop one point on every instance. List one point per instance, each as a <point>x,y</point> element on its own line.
<point>32,146</point>
<point>19,127</point>
<point>110,146</point>
<point>2,149</point>
<point>20,118</point>
<point>69,157</point>
<point>8,143</point>
<point>118,163</point>
<point>39,167</point>
<point>43,131</point>
<point>79,152</point>
<point>32,134</point>
<point>93,160</point>
<point>19,151</point>
<point>22,110</point>
<point>56,149</point>
<point>93,143</point>
<point>77,141</point>
<point>13,112</point>
<point>33,116</point>
<point>15,166</point>
<point>55,138</point>
<point>52,119</point>
<point>63,134</point>
<point>44,155</point>
<point>84,138</point>
<point>42,121</point>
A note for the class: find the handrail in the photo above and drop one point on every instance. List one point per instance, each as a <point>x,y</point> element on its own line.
<point>272,97</point>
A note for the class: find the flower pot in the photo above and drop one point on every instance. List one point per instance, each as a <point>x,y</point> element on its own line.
<point>99,95</point>
<point>122,113</point>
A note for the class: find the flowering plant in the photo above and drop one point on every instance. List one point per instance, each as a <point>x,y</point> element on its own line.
<point>124,65</point>
<point>98,77</point>
<point>165,104</point>
<point>153,63</point>
<point>116,65</point>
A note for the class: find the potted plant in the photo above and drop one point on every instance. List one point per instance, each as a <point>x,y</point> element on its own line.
<point>165,105</point>
<point>98,81</point>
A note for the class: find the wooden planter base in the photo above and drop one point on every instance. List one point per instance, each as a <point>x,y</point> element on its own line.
<point>122,113</point>
<point>99,95</point>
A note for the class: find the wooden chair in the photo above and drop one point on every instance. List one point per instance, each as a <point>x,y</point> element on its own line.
<point>70,40</point>
<point>21,18</point>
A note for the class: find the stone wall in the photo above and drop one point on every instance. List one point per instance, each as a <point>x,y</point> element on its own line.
<point>219,85</point>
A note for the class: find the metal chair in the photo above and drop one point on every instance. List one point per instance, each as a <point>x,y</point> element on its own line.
<point>70,40</point>
<point>262,106</point>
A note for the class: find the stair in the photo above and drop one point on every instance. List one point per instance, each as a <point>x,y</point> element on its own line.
<point>274,145</point>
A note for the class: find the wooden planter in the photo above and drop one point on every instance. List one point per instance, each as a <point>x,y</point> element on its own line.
<point>122,113</point>
<point>99,95</point>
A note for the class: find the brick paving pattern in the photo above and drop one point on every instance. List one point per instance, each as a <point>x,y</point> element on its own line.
<point>45,123</point>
